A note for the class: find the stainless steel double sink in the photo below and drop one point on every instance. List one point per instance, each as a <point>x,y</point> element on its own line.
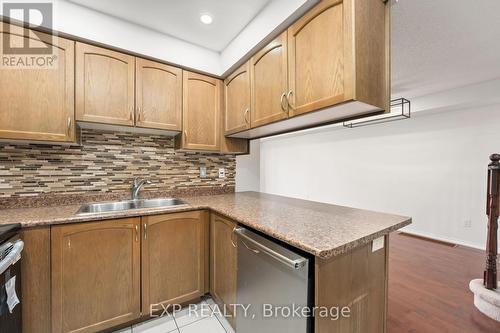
<point>117,206</point>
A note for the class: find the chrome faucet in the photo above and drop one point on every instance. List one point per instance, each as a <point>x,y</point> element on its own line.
<point>137,185</point>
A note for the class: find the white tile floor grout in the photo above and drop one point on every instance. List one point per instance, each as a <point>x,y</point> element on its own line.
<point>203,320</point>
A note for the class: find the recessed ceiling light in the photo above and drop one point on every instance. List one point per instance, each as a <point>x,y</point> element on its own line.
<point>206,18</point>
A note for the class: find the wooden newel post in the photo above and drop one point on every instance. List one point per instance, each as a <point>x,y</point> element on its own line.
<point>492,204</point>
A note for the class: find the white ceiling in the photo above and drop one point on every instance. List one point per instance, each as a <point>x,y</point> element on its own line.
<point>436,45</point>
<point>444,44</point>
<point>181,18</point>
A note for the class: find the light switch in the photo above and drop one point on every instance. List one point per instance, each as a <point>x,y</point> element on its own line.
<point>222,173</point>
<point>203,172</point>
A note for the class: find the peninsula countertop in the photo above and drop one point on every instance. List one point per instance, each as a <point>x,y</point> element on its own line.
<point>323,230</point>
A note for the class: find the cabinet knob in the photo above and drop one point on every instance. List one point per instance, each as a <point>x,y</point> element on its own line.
<point>288,99</point>
<point>245,115</point>
<point>283,95</point>
<point>145,231</point>
<point>139,113</point>
<point>69,126</point>
<point>232,236</point>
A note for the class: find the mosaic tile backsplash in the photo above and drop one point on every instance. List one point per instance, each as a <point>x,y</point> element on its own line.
<point>106,162</point>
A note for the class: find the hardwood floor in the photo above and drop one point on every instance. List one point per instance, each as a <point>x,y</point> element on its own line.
<point>429,287</point>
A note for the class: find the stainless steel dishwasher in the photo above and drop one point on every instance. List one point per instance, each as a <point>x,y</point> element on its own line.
<point>272,281</point>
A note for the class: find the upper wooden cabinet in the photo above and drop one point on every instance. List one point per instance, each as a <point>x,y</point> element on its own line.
<point>331,64</point>
<point>38,103</point>
<point>158,93</point>
<point>269,75</point>
<point>337,53</point>
<point>104,86</point>
<point>316,58</point>
<point>174,258</point>
<point>96,275</point>
<point>222,261</point>
<point>201,116</point>
<point>237,100</point>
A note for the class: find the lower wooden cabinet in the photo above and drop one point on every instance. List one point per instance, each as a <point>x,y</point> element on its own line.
<point>95,275</point>
<point>174,258</point>
<point>35,281</point>
<point>223,262</point>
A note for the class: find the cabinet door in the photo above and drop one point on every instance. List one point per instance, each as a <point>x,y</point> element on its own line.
<point>158,94</point>
<point>316,58</point>
<point>237,100</point>
<point>37,103</point>
<point>174,258</point>
<point>268,74</point>
<point>104,86</point>
<point>222,261</point>
<point>201,112</point>
<point>95,275</point>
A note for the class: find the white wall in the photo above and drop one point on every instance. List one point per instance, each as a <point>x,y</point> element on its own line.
<point>432,167</point>
<point>86,23</point>
<point>248,169</point>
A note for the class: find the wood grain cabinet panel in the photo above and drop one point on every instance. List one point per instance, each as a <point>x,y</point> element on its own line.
<point>38,103</point>
<point>269,75</point>
<point>35,282</point>
<point>158,93</point>
<point>95,275</point>
<point>105,86</point>
<point>237,100</point>
<point>357,280</point>
<point>223,258</point>
<point>201,112</point>
<point>316,58</point>
<point>174,258</point>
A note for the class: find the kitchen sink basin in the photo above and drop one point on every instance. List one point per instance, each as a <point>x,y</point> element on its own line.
<point>117,206</point>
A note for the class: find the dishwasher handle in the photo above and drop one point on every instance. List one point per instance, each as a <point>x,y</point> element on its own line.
<point>293,263</point>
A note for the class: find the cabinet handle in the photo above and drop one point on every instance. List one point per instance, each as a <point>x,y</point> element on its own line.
<point>136,233</point>
<point>138,114</point>
<point>69,126</point>
<point>283,95</point>
<point>245,115</point>
<point>232,234</point>
<point>185,135</point>
<point>132,114</point>
<point>290,93</point>
<point>145,231</point>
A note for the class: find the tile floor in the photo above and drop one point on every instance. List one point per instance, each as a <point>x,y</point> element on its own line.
<point>203,320</point>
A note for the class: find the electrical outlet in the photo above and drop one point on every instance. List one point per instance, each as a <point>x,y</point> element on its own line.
<point>222,173</point>
<point>203,172</point>
<point>468,223</point>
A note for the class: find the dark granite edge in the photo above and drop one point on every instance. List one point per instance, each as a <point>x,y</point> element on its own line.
<point>65,199</point>
<point>322,254</point>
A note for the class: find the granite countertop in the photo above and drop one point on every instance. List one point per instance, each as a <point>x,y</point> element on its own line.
<point>323,230</point>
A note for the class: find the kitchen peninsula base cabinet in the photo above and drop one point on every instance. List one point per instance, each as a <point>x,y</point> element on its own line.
<point>356,281</point>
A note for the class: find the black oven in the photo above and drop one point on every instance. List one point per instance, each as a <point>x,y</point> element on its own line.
<point>11,247</point>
